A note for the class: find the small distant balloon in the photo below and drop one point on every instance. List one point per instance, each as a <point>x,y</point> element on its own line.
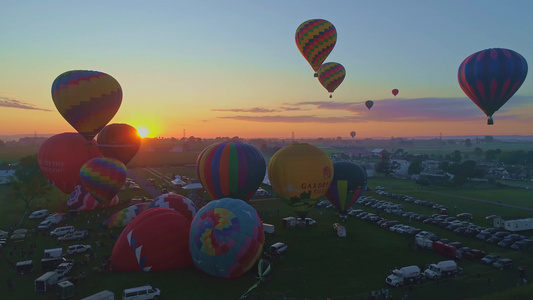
<point>395,92</point>
<point>369,104</point>
<point>352,134</point>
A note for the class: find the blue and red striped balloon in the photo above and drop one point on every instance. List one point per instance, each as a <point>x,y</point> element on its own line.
<point>491,77</point>
<point>231,169</point>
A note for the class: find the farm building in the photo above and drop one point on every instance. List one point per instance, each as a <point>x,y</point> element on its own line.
<point>5,175</point>
<point>514,224</point>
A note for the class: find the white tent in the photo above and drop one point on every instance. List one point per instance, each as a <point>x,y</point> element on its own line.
<point>193,186</point>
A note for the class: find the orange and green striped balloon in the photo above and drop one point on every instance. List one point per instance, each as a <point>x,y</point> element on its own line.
<point>315,39</point>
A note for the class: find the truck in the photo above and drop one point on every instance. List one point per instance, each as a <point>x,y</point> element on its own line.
<point>404,276</point>
<point>289,222</point>
<point>48,279</point>
<point>55,252</point>
<point>445,268</point>
<point>268,228</point>
<point>424,243</point>
<point>446,250</point>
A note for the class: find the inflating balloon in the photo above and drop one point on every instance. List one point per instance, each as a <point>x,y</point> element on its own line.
<point>80,200</point>
<point>231,169</point>
<point>369,104</point>
<point>124,217</point>
<point>61,157</point>
<point>349,183</point>
<point>156,240</point>
<point>331,76</point>
<point>315,39</point>
<point>88,100</point>
<point>120,141</point>
<point>300,174</point>
<point>176,202</point>
<point>491,77</point>
<point>226,238</point>
<point>103,177</point>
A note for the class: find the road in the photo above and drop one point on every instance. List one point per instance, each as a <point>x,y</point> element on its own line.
<point>152,190</point>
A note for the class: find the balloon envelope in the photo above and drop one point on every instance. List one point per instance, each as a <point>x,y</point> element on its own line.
<point>103,177</point>
<point>315,39</point>
<point>395,92</point>
<point>88,100</point>
<point>331,75</point>
<point>231,169</point>
<point>369,104</point>
<point>226,238</point>
<point>81,199</point>
<point>352,134</point>
<point>156,240</point>
<point>120,141</point>
<point>61,157</point>
<point>491,77</point>
<point>125,216</point>
<point>349,183</point>
<point>300,174</point>
<point>176,202</point>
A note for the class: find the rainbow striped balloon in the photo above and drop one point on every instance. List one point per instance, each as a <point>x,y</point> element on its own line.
<point>124,217</point>
<point>226,238</point>
<point>231,169</point>
<point>331,75</point>
<point>103,177</point>
<point>315,39</point>
<point>88,100</point>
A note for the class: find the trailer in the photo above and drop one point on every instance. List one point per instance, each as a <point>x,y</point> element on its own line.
<point>289,222</point>
<point>48,279</point>
<point>103,295</point>
<point>268,228</point>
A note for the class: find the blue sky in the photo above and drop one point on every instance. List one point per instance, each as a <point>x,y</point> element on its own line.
<point>226,68</point>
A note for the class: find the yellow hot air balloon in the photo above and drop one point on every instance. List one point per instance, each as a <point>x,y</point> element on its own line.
<point>300,174</point>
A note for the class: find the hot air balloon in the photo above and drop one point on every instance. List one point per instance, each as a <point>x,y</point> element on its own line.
<point>177,202</point>
<point>103,177</point>
<point>156,240</point>
<point>369,104</point>
<point>331,76</point>
<point>120,141</point>
<point>61,156</point>
<point>352,134</point>
<point>491,77</point>
<point>88,100</point>
<point>80,199</point>
<point>231,169</point>
<point>315,39</point>
<point>300,174</point>
<point>395,92</point>
<point>349,183</point>
<point>226,238</point>
<point>125,216</point>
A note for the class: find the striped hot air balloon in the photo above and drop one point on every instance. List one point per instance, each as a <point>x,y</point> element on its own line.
<point>331,76</point>
<point>315,39</point>
<point>103,177</point>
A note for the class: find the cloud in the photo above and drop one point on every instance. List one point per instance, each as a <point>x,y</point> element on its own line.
<point>453,109</point>
<point>250,110</point>
<point>13,103</point>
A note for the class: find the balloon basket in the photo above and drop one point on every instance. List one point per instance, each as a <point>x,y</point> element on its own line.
<point>316,75</point>
<point>490,121</point>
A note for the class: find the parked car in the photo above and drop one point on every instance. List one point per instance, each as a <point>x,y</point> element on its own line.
<point>64,268</point>
<point>520,245</point>
<point>474,254</point>
<point>493,240</point>
<point>464,216</point>
<point>78,248</point>
<point>76,235</point>
<point>503,263</point>
<point>39,214</point>
<point>45,224</point>
<point>490,259</point>
<point>505,243</point>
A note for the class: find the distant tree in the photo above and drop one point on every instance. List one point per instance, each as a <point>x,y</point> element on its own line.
<point>468,143</point>
<point>478,151</point>
<point>444,166</point>
<point>488,139</point>
<point>456,156</point>
<point>415,167</point>
<point>492,155</point>
<point>29,182</point>
<point>387,167</point>
<point>2,143</point>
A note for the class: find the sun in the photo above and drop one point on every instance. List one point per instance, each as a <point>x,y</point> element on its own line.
<point>143,132</point>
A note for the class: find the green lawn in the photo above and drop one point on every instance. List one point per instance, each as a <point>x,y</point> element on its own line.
<point>318,264</point>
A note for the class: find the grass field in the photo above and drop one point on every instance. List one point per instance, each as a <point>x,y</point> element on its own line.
<point>317,265</point>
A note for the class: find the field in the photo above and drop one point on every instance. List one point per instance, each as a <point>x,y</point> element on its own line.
<point>317,265</point>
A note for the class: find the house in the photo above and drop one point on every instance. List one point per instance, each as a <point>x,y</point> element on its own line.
<point>404,167</point>
<point>5,175</point>
<point>513,224</point>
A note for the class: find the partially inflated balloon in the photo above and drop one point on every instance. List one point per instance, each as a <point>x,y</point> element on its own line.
<point>88,100</point>
<point>300,174</point>
<point>103,177</point>
<point>349,182</point>
<point>120,141</point>
<point>369,104</point>
<point>331,75</point>
<point>125,216</point>
<point>156,240</point>
<point>395,92</point>
<point>231,169</point>
<point>226,238</point>
<point>61,156</point>
<point>491,77</point>
<point>315,39</point>
<point>80,199</point>
<point>176,202</point>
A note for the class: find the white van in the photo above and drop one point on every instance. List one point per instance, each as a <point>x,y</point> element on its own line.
<point>39,214</point>
<point>55,252</point>
<point>278,248</point>
<point>141,293</point>
<point>103,295</point>
<point>59,231</point>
